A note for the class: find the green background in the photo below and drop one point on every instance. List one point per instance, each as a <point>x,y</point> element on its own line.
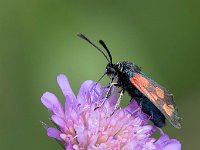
<point>38,41</point>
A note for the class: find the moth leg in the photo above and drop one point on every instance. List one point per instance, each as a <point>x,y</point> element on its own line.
<point>107,94</point>
<point>110,88</point>
<point>118,102</point>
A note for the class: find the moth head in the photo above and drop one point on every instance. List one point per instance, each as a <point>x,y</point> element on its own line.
<point>111,70</point>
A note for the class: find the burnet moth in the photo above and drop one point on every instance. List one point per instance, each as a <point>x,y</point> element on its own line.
<point>155,100</point>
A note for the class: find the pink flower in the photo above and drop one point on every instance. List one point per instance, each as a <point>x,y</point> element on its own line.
<point>80,126</point>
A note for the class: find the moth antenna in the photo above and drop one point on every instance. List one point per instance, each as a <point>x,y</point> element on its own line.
<point>101,77</point>
<point>86,39</point>
<point>107,50</point>
<point>99,80</point>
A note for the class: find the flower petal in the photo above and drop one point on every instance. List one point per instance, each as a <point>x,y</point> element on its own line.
<point>146,131</point>
<point>59,121</point>
<point>110,103</point>
<point>69,146</point>
<point>90,92</point>
<point>135,110</point>
<point>64,85</point>
<point>69,102</point>
<point>132,107</point>
<point>54,133</point>
<point>67,92</point>
<point>83,93</point>
<point>112,100</point>
<point>168,144</point>
<point>51,102</point>
<point>173,145</point>
<point>162,139</point>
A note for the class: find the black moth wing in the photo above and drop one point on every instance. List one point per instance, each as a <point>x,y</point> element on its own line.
<point>158,95</point>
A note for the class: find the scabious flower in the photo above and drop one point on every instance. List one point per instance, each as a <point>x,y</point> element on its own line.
<point>80,126</point>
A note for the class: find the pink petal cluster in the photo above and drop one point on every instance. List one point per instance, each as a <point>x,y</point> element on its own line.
<point>82,127</point>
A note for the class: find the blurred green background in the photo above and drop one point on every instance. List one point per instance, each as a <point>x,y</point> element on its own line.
<point>38,41</point>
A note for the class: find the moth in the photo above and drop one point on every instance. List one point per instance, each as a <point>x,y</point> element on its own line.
<point>155,100</point>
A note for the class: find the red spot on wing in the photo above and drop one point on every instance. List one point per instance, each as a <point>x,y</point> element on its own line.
<point>143,81</point>
<point>142,84</point>
<point>169,109</point>
<point>160,92</point>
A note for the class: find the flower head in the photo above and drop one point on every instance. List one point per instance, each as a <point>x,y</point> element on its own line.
<point>80,126</point>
